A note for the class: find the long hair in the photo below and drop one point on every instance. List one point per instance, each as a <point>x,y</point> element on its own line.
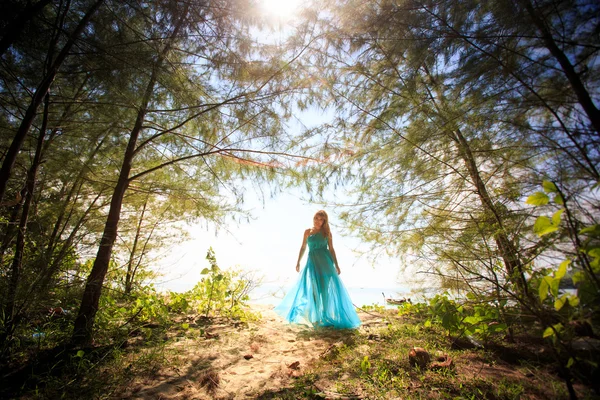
<point>325,227</point>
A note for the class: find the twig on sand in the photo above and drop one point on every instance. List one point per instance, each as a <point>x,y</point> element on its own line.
<point>366,312</point>
<point>330,394</point>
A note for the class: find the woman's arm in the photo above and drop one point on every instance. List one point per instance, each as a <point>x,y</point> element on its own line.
<point>332,251</point>
<point>302,248</point>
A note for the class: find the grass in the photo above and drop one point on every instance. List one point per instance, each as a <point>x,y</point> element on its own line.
<point>370,363</point>
<point>375,365</point>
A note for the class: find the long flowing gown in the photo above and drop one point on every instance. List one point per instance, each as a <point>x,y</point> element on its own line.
<point>319,295</point>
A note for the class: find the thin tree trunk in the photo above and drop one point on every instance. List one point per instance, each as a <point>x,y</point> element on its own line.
<point>507,250</point>
<point>583,96</point>
<point>77,182</point>
<point>40,285</point>
<point>145,246</point>
<point>11,228</point>
<point>130,268</point>
<point>40,93</point>
<point>14,29</point>
<point>82,330</point>
<point>15,275</point>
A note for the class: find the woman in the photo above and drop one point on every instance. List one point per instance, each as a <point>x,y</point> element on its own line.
<point>319,296</point>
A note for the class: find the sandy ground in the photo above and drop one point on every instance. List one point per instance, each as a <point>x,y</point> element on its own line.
<point>230,362</point>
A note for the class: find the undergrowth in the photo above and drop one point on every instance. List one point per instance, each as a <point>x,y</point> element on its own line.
<point>375,365</point>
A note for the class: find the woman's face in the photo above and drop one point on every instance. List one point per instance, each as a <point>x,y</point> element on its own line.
<point>318,221</point>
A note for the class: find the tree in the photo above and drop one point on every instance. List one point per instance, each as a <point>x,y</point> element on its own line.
<point>205,111</point>
<point>41,91</point>
<point>452,112</point>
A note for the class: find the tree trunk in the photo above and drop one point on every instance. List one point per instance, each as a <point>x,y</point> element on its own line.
<point>76,186</point>
<point>40,93</point>
<point>8,235</point>
<point>15,275</point>
<point>130,268</point>
<point>508,252</point>
<point>82,331</point>
<point>45,276</point>
<point>583,96</point>
<point>14,29</point>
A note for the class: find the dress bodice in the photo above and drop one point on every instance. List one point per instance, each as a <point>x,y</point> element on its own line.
<point>316,241</point>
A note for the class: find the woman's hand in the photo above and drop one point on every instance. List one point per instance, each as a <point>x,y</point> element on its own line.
<point>338,270</point>
<point>298,267</point>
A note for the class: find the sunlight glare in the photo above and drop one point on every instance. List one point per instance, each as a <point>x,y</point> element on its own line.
<point>280,8</point>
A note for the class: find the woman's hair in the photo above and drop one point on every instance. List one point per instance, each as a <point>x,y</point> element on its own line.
<point>325,227</point>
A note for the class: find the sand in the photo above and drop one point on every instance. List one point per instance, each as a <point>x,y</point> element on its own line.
<point>243,361</point>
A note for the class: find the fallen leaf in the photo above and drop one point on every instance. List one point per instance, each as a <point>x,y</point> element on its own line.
<point>294,365</point>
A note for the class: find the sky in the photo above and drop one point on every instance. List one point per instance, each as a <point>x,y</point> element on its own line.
<point>269,245</point>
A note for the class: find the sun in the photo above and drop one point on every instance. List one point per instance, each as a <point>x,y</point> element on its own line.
<point>280,8</point>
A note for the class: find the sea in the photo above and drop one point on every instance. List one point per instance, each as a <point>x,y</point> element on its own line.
<point>271,294</point>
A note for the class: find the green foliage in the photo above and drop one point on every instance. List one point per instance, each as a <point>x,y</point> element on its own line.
<point>219,293</point>
<point>408,308</point>
<point>583,268</point>
<point>482,320</point>
<point>566,314</point>
<point>365,365</point>
<point>222,292</point>
<point>179,303</point>
<point>373,364</point>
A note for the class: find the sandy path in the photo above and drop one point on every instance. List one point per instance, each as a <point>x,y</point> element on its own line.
<point>245,362</point>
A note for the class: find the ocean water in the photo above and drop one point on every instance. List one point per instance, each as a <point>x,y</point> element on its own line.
<point>361,296</point>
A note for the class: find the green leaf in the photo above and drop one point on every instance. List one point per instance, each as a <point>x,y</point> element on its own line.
<point>550,332</point>
<point>472,320</point>
<point>594,252</point>
<point>499,328</point>
<point>593,230</point>
<point>570,362</point>
<point>427,323</point>
<point>538,199</point>
<point>365,364</point>
<point>549,187</point>
<point>205,271</point>
<point>559,200</point>
<point>578,277</point>
<point>573,301</point>
<point>595,264</point>
<point>562,269</point>
<point>543,290</point>
<point>560,302</point>
<point>80,353</point>
<point>185,326</point>
<point>543,226</point>
<point>556,217</point>
<point>554,286</point>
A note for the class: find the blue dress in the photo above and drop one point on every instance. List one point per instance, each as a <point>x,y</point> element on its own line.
<point>319,296</point>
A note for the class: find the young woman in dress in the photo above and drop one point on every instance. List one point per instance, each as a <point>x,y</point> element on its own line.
<point>319,296</point>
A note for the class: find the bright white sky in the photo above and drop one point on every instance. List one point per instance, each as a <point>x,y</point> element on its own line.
<point>269,245</point>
